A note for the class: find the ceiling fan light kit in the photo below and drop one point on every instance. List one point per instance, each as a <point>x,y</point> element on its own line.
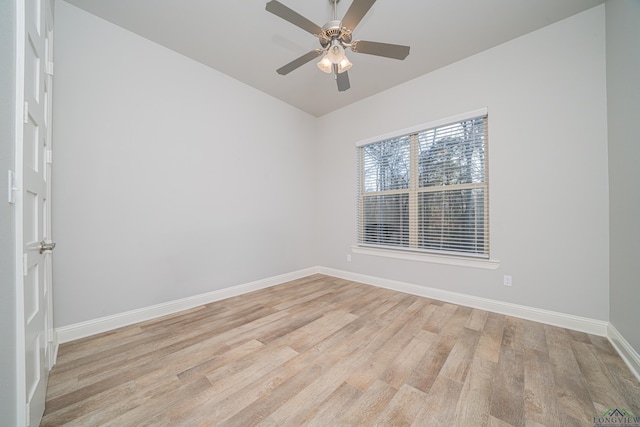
<point>344,65</point>
<point>325,65</point>
<point>336,52</point>
<point>335,38</point>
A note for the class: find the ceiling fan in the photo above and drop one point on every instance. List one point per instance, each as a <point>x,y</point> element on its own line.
<point>335,38</point>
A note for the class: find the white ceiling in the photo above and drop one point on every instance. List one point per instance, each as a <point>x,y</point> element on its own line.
<point>241,39</point>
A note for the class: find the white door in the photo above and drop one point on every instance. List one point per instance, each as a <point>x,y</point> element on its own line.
<point>33,172</point>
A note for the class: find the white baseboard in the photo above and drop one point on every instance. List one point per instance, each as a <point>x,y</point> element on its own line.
<point>624,349</point>
<point>582,324</point>
<point>108,323</point>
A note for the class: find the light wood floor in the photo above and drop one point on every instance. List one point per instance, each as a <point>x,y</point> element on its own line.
<point>328,352</point>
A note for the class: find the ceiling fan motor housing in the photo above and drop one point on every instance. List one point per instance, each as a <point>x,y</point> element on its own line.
<point>333,30</point>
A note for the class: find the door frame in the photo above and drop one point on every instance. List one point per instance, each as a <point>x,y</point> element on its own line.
<point>18,185</point>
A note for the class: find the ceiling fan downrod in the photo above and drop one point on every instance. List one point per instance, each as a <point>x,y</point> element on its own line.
<point>334,3</point>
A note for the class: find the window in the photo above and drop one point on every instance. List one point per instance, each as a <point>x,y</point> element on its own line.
<point>427,189</point>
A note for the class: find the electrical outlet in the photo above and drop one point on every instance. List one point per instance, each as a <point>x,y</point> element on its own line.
<point>507,280</point>
<point>349,257</point>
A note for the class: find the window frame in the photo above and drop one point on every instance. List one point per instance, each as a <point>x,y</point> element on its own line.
<point>412,250</point>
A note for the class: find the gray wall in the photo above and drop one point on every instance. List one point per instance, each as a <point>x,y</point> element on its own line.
<point>623,93</point>
<point>170,179</point>
<point>7,246</point>
<point>549,216</point>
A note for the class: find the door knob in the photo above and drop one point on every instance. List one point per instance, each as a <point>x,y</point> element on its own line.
<point>44,246</point>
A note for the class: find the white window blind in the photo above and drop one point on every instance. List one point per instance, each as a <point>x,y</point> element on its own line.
<point>427,190</point>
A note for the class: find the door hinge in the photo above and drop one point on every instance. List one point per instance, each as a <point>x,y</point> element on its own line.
<point>49,69</point>
<point>12,187</point>
<point>25,113</point>
<point>25,264</point>
<point>49,156</point>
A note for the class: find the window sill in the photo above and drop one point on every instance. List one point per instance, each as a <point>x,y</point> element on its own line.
<point>488,264</point>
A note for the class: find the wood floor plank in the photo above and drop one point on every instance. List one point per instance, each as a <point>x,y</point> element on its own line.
<point>327,412</point>
<point>604,394</point>
<point>114,400</point>
<point>108,366</point>
<point>457,364</point>
<point>557,337</point>
<point>579,336</point>
<point>153,405</point>
<point>456,322</point>
<point>507,402</point>
<point>250,403</point>
<point>326,351</point>
<point>513,333</point>
<point>401,367</point>
<point>301,407</point>
<point>114,353</point>
<point>316,331</point>
<point>262,408</point>
<point>403,408</point>
<point>77,349</point>
<point>474,403</point>
<point>491,338</point>
<point>205,367</point>
<point>437,408</point>
<point>427,370</point>
<point>617,369</point>
<point>495,422</point>
<point>440,318</point>
<point>571,388</point>
<point>477,319</point>
<point>539,388</point>
<point>170,354</point>
<point>368,406</point>
<point>398,334</point>
<point>205,408</point>
<point>534,336</point>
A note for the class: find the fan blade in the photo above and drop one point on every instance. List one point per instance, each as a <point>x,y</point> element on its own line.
<point>343,81</point>
<point>394,51</point>
<point>292,16</point>
<point>356,12</point>
<point>299,62</point>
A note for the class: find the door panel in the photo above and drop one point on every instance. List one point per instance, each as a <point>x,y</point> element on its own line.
<point>36,226</point>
